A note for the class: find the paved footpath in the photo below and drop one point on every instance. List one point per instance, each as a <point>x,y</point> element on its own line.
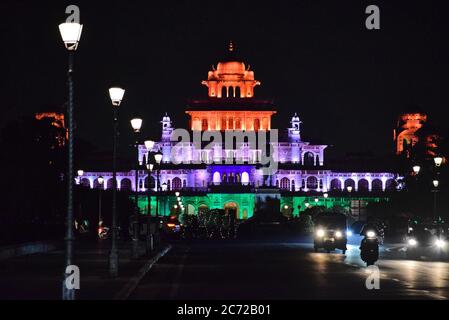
<point>39,276</point>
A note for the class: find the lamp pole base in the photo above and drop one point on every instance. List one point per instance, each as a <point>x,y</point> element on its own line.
<point>113,264</point>
<point>135,248</point>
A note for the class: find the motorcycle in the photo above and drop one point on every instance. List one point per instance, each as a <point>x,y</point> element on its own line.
<point>369,248</point>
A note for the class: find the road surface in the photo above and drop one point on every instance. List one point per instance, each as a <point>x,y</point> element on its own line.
<point>287,271</point>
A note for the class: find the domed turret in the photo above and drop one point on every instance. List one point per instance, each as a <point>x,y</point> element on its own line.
<point>231,78</point>
<point>294,132</point>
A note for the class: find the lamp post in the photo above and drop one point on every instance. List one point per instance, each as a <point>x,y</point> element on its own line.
<point>100,186</point>
<point>325,195</point>
<point>349,188</point>
<point>136,124</point>
<point>150,241</point>
<point>158,159</point>
<point>70,34</point>
<point>435,183</point>
<point>116,95</point>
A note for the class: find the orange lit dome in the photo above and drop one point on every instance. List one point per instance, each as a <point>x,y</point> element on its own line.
<point>231,67</point>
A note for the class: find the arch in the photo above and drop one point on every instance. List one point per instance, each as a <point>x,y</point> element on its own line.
<point>350,182</point>
<point>223,124</point>
<point>376,185</point>
<point>317,160</point>
<point>150,183</point>
<point>231,207</point>
<point>256,124</point>
<point>363,185</point>
<point>203,208</point>
<point>231,124</point>
<point>97,184</point>
<point>245,178</point>
<point>216,178</point>
<point>85,182</point>
<point>190,209</point>
<point>312,183</point>
<point>204,125</point>
<point>176,183</point>
<point>237,92</point>
<point>224,178</point>
<point>230,92</point>
<point>309,159</point>
<point>335,184</point>
<point>285,183</point>
<point>125,184</point>
<point>224,92</point>
<point>390,185</point>
<point>109,184</point>
<point>293,185</point>
<point>237,178</point>
<point>238,124</point>
<point>245,214</point>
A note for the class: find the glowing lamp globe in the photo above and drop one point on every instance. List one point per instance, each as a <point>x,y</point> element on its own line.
<point>100,180</point>
<point>158,157</point>
<point>416,169</point>
<point>116,94</point>
<point>80,173</point>
<point>438,161</point>
<point>71,34</point>
<point>149,144</point>
<point>136,124</point>
<point>435,183</point>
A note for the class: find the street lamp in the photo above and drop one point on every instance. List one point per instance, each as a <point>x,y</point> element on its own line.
<point>435,183</point>
<point>349,188</point>
<point>116,95</point>
<point>136,124</point>
<point>158,159</point>
<point>100,186</point>
<point>70,34</point>
<point>316,200</point>
<point>177,193</point>
<point>438,160</point>
<point>416,169</point>
<point>149,233</point>
<point>80,173</point>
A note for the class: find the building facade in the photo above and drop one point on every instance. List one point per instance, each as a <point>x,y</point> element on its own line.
<point>231,176</point>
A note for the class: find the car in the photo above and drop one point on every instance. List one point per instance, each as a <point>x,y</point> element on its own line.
<point>330,232</point>
<point>426,239</point>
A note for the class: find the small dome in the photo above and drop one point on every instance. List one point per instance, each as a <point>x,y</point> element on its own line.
<point>166,118</point>
<point>295,117</point>
<point>231,67</point>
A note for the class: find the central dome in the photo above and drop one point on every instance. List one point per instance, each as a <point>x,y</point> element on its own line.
<point>231,67</point>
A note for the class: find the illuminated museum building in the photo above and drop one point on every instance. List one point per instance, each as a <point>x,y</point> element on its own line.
<point>301,180</point>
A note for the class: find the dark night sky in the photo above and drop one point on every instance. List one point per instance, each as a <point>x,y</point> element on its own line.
<point>313,57</point>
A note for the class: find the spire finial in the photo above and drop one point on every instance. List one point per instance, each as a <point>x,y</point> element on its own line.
<point>231,46</point>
